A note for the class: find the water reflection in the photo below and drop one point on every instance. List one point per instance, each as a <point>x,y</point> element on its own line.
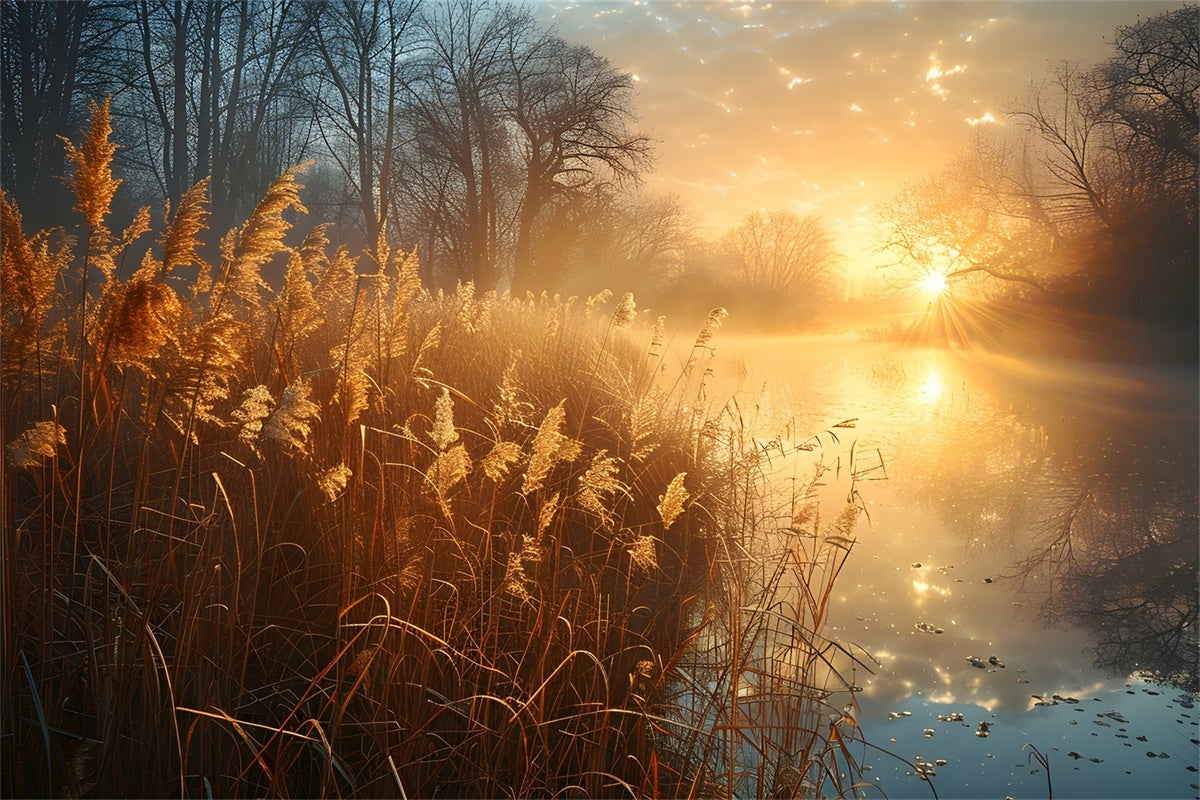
<point>931,390</point>
<point>1097,505</point>
<point>1035,540</point>
<point>1117,554</point>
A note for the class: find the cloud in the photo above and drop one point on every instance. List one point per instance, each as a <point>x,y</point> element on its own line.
<point>747,76</point>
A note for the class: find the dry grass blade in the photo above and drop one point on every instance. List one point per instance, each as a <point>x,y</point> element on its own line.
<point>41,716</point>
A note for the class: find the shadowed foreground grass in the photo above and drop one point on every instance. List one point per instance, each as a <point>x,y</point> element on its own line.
<point>351,539</point>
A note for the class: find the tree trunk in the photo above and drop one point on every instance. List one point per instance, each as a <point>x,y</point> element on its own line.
<point>525,270</point>
<point>48,41</point>
<point>209,90</point>
<point>178,174</point>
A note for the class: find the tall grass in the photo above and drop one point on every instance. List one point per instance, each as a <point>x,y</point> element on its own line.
<point>350,538</point>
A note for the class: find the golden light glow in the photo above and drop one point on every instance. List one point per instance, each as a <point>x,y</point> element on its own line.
<point>922,588</point>
<point>931,392</point>
<point>885,58</point>
<point>934,283</point>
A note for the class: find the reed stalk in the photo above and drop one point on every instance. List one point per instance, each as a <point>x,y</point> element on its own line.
<point>494,551</point>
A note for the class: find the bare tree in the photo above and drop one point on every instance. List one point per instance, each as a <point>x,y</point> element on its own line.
<point>1067,114</point>
<point>510,127</point>
<point>1152,94</point>
<point>574,111</point>
<point>1100,175</point>
<point>1153,81</point>
<point>51,56</point>
<point>980,218</point>
<point>363,49</point>
<point>782,253</point>
<point>212,90</point>
<point>456,106</point>
<point>618,239</point>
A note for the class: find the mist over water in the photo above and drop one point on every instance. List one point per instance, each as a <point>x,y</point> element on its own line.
<point>1028,571</point>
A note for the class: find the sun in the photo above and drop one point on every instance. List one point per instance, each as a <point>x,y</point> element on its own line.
<point>934,284</point>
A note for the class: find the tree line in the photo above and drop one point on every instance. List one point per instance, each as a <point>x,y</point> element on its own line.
<point>1087,198</point>
<point>462,129</point>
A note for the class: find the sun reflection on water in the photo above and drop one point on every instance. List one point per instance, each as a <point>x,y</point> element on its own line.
<point>931,390</point>
<point>958,506</point>
<point>924,588</point>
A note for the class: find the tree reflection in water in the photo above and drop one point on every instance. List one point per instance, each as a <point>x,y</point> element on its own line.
<point>1118,556</point>
<point>1097,514</point>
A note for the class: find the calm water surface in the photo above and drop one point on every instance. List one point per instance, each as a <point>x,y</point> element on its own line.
<point>1029,565</point>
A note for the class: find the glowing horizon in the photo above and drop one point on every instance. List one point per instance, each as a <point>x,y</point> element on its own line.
<point>826,109</point>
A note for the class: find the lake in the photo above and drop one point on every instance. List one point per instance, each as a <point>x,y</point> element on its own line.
<point>1027,578</point>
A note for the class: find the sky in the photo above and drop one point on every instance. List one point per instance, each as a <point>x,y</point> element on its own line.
<point>826,108</point>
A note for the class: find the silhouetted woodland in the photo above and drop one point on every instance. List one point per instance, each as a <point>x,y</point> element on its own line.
<point>1084,205</point>
<point>465,129</point>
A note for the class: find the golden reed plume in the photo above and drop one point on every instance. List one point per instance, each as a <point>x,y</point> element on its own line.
<point>92,180</point>
<point>247,248</point>
<point>179,242</point>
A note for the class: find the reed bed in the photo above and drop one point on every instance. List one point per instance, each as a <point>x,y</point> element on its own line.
<point>350,538</point>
